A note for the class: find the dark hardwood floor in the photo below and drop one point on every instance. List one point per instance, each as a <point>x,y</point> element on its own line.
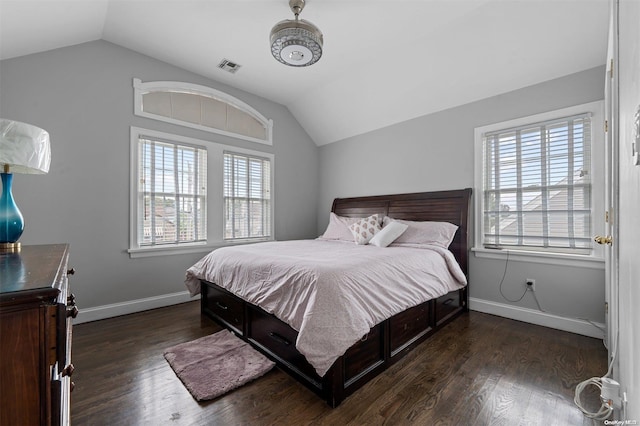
<point>479,370</point>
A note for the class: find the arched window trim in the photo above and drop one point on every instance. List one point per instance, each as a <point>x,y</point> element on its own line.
<point>141,88</point>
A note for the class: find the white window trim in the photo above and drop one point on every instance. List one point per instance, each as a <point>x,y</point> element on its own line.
<point>141,88</point>
<point>215,205</point>
<point>596,258</point>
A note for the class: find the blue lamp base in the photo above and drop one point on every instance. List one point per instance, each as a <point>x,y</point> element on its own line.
<point>11,220</point>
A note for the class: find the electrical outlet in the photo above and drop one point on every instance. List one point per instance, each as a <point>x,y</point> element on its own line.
<point>531,284</point>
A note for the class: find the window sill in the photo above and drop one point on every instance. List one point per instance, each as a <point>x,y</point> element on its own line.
<point>171,250</point>
<point>561,259</point>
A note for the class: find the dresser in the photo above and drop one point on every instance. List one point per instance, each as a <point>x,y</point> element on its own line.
<point>36,312</point>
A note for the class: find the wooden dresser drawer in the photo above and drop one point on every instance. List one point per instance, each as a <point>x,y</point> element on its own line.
<point>280,340</point>
<point>447,305</point>
<point>224,306</point>
<point>409,325</point>
<point>35,336</point>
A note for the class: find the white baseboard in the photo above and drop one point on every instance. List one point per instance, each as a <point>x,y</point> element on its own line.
<point>132,306</point>
<point>573,325</point>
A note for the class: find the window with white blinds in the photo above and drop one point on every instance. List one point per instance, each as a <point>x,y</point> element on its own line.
<point>172,193</point>
<point>247,196</point>
<point>537,188</point>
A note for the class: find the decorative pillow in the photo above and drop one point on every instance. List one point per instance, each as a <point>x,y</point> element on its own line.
<point>427,232</point>
<point>338,228</point>
<point>388,234</point>
<point>364,229</point>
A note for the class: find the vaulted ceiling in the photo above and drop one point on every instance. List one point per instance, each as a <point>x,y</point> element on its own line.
<point>384,61</point>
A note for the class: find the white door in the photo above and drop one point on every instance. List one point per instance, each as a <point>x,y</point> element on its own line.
<point>611,184</point>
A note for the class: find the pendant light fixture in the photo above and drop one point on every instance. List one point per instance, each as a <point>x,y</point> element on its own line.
<point>296,42</point>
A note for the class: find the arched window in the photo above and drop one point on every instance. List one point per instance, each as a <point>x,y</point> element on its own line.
<point>202,108</point>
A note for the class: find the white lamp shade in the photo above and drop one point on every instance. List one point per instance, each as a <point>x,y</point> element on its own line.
<point>24,148</point>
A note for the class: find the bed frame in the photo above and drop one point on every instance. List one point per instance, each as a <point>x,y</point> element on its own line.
<point>388,341</point>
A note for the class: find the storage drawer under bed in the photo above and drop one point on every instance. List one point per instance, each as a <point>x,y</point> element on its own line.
<point>408,326</point>
<point>280,339</point>
<point>446,306</point>
<point>364,355</point>
<point>223,305</point>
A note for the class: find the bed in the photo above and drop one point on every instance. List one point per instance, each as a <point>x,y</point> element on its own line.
<point>310,306</point>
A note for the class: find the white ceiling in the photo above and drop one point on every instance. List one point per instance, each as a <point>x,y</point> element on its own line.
<point>384,61</point>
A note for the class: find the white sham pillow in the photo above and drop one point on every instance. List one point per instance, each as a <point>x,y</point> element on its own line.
<point>425,232</point>
<point>338,228</point>
<point>388,234</point>
<point>365,229</point>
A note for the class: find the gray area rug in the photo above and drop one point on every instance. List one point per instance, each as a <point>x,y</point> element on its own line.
<point>213,365</point>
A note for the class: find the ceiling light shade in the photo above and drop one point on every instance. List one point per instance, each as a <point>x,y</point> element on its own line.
<point>296,42</point>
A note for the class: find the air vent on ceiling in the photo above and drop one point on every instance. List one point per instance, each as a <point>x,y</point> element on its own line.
<point>229,66</point>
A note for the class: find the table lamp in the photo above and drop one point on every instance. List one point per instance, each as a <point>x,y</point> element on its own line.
<point>23,149</point>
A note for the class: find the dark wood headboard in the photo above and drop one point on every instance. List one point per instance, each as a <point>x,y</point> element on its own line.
<point>440,206</point>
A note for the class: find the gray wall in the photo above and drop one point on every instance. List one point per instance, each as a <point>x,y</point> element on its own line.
<point>435,152</point>
<point>83,96</point>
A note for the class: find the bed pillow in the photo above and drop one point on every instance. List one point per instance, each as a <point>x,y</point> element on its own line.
<point>338,228</point>
<point>365,229</point>
<point>388,234</point>
<point>428,232</point>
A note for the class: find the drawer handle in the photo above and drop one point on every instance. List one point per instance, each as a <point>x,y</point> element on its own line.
<point>278,338</point>
<point>68,370</point>
<point>222,306</point>
<point>448,301</point>
<point>72,311</point>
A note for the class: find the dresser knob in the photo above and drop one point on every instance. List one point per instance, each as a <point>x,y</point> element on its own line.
<point>68,370</point>
<point>71,300</point>
<point>71,271</point>
<point>72,312</point>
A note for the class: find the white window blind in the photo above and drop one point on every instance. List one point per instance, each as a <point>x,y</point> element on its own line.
<point>247,196</point>
<point>537,186</point>
<point>172,191</point>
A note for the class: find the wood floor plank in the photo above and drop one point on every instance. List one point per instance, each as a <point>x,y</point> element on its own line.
<point>480,369</point>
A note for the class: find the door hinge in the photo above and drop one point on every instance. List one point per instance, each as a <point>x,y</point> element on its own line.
<point>611,69</point>
<point>606,308</point>
<point>606,126</point>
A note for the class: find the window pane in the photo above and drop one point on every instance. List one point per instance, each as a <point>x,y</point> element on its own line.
<point>247,194</point>
<point>204,110</point>
<point>537,189</point>
<point>172,188</point>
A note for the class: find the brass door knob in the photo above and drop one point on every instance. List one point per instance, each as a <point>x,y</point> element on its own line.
<point>603,240</point>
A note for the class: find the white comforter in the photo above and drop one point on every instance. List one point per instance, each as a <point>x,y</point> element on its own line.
<point>331,292</point>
